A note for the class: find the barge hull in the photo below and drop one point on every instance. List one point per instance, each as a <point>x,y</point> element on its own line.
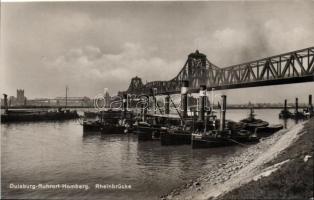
<point>167,138</point>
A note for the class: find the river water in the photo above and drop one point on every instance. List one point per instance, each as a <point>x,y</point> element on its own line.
<point>58,153</point>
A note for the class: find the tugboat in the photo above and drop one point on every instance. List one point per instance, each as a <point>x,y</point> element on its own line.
<point>223,137</point>
<point>147,131</point>
<point>109,122</point>
<point>285,113</point>
<point>91,125</point>
<point>112,126</point>
<point>309,111</point>
<point>95,121</point>
<point>227,134</point>
<point>268,130</point>
<point>297,115</point>
<point>260,127</point>
<point>176,135</point>
<point>213,138</point>
<point>151,127</point>
<point>251,123</point>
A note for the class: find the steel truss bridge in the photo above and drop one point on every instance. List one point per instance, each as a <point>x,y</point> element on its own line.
<point>291,67</point>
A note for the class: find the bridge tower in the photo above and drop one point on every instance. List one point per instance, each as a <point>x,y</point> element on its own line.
<point>135,86</point>
<point>197,72</point>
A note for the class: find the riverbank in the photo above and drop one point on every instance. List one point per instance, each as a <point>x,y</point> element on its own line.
<point>278,167</point>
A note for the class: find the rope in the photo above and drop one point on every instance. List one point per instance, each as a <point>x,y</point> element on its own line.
<point>238,142</point>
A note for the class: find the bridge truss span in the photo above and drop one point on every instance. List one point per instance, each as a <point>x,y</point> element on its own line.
<point>291,67</point>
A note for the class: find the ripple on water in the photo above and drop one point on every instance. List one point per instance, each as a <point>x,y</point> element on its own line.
<point>58,152</point>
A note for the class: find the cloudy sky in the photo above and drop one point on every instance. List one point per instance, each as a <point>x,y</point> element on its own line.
<point>96,45</point>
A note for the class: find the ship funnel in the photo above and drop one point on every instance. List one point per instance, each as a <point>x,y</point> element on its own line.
<point>184,98</point>
<point>5,103</point>
<point>296,105</point>
<point>167,105</point>
<point>202,100</point>
<point>223,112</point>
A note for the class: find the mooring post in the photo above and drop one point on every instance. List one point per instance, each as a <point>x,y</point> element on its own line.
<point>5,103</point>
<point>310,100</point>
<point>223,112</point>
<point>167,105</point>
<point>202,100</point>
<point>296,105</point>
<point>184,98</point>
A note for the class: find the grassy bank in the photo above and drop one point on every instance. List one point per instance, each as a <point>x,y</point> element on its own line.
<point>293,180</point>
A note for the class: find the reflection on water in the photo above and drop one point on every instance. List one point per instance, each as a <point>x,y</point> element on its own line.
<point>57,153</point>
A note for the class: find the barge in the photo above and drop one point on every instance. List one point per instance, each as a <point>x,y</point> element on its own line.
<point>37,115</point>
<point>251,123</point>
<point>109,122</point>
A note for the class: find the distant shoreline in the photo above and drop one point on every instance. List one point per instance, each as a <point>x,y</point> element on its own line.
<point>228,107</point>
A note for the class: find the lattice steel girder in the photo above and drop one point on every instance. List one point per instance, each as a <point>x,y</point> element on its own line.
<point>291,67</point>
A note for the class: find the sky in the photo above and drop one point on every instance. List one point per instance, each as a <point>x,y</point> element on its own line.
<point>90,46</point>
